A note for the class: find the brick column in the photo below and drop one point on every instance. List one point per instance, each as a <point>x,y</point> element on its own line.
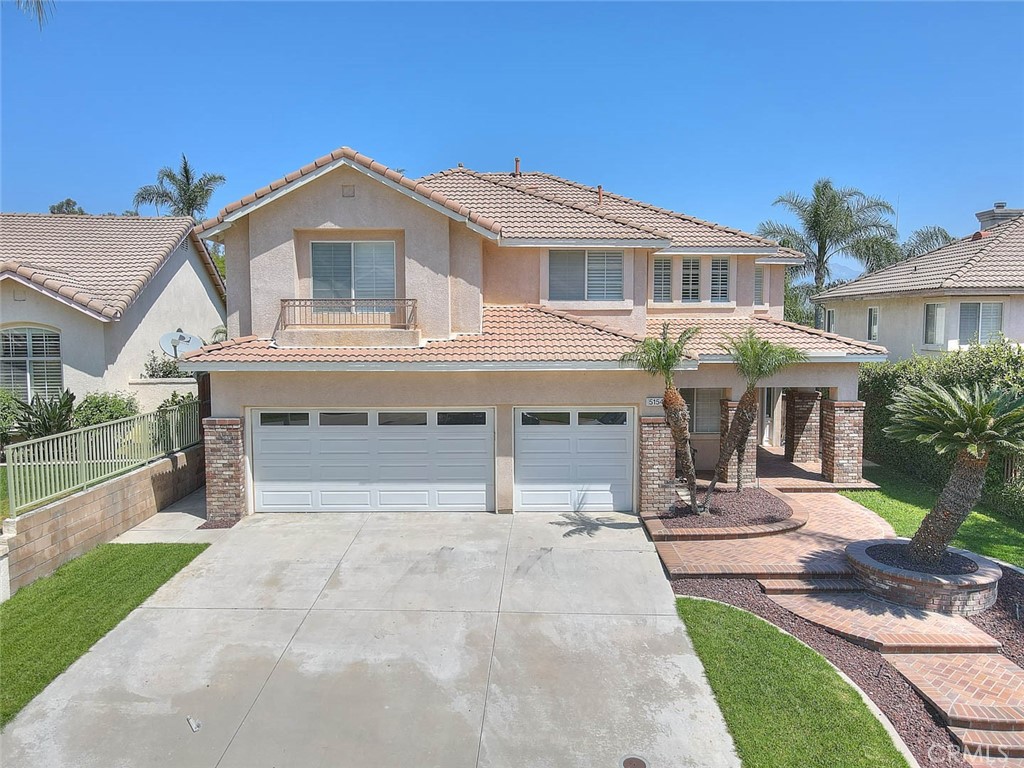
<point>750,453</point>
<point>225,469</point>
<point>657,467</point>
<point>803,435</point>
<point>842,439</point>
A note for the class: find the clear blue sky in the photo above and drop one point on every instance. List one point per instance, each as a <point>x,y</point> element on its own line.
<point>712,109</point>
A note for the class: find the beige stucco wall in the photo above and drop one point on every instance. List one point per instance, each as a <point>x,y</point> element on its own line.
<point>104,356</point>
<point>901,321</point>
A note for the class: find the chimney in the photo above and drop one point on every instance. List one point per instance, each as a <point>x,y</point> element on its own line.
<point>997,215</point>
<point>600,195</point>
<point>517,173</point>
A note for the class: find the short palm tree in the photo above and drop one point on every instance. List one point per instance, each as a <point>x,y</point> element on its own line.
<point>833,220</point>
<point>660,356</point>
<point>969,423</point>
<point>755,359</point>
<point>183,191</point>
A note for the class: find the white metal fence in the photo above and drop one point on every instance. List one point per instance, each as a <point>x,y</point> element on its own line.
<point>50,467</point>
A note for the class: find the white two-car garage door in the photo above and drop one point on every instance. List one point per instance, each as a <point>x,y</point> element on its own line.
<point>574,459</point>
<point>324,460</point>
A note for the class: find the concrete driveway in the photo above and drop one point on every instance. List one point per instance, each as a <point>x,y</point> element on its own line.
<point>394,641</point>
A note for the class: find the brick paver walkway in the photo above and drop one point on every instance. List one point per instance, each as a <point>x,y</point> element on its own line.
<point>793,477</point>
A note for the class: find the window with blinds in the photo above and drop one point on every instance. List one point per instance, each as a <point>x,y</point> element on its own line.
<point>934,323</point>
<point>690,269</point>
<point>720,280</point>
<point>585,276</point>
<point>758,285</point>
<point>353,270</point>
<point>662,280</point>
<point>30,363</point>
<point>705,409</point>
<point>872,324</point>
<point>830,321</point>
<point>981,322</point>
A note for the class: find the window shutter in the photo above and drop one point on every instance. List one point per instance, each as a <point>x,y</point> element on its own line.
<point>45,344</point>
<point>567,276</point>
<point>758,285</point>
<point>47,378</point>
<point>604,275</point>
<point>991,322</point>
<point>332,270</point>
<point>691,280</point>
<point>662,280</point>
<point>14,377</point>
<point>374,270</point>
<point>970,322</point>
<point>14,344</point>
<point>719,280</point>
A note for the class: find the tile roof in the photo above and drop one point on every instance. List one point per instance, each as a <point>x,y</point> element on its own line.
<point>987,260</point>
<point>511,334</point>
<point>101,263</point>
<point>714,331</point>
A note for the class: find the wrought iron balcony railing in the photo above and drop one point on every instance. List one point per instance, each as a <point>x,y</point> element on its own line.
<point>349,313</point>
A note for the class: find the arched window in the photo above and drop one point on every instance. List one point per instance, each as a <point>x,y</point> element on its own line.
<point>30,362</point>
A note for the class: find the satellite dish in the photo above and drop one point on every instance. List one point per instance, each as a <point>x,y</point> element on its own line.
<point>177,343</point>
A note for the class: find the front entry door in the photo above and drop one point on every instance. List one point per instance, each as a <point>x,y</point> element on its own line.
<point>767,416</point>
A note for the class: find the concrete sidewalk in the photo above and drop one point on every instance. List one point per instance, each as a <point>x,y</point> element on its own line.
<point>393,640</point>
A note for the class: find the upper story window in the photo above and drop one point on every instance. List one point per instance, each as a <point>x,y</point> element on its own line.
<point>719,280</point>
<point>872,323</point>
<point>30,363</point>
<point>585,275</point>
<point>830,321</point>
<point>934,323</point>
<point>759,285</point>
<point>662,280</point>
<point>691,280</point>
<point>353,270</point>
<point>981,322</point>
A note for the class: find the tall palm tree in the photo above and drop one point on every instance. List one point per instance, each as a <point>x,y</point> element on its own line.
<point>755,359</point>
<point>971,424</point>
<point>879,251</point>
<point>833,220</point>
<point>660,356</point>
<point>183,191</point>
<point>38,9</point>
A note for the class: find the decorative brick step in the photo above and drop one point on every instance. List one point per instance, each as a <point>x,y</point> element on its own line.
<point>787,485</point>
<point>661,532</point>
<point>971,690</point>
<point>990,744</point>
<point>681,562</point>
<point>994,762</point>
<point>808,586</point>
<point>886,627</point>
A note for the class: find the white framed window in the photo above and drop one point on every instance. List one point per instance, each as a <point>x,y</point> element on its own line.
<point>720,280</point>
<point>30,363</point>
<point>705,407</point>
<point>662,289</point>
<point>759,285</point>
<point>691,280</point>
<point>934,324</point>
<point>353,270</point>
<point>590,275</point>
<point>830,321</point>
<point>872,324</point>
<point>981,322</point>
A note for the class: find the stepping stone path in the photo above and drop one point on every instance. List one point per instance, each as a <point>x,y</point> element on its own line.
<point>956,667</point>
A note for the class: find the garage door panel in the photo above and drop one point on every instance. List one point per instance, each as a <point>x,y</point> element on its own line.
<point>405,446</point>
<point>288,472</point>
<point>354,501</point>
<point>469,445</point>
<point>270,446</point>
<point>469,473</point>
<point>331,445</point>
<point>399,499</point>
<point>538,445</point>
<point>357,473</point>
<point>471,499</point>
<point>546,499</point>
<point>403,473</point>
<point>612,446</point>
<point>282,499</point>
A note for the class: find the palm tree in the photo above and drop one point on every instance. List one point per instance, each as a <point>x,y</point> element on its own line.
<point>660,356</point>
<point>833,221</point>
<point>879,251</point>
<point>183,191</point>
<point>971,424</point>
<point>755,359</point>
<point>37,9</point>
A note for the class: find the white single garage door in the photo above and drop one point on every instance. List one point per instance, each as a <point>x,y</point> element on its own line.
<point>339,460</point>
<point>574,459</point>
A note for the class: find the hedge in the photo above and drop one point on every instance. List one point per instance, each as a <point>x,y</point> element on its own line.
<point>999,364</point>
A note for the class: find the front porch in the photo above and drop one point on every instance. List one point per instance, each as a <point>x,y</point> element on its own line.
<point>774,470</point>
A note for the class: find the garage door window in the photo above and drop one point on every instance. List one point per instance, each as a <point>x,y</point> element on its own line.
<point>355,419</point>
<point>402,418</point>
<point>461,418</point>
<point>284,419</point>
<point>542,419</point>
<point>602,418</point>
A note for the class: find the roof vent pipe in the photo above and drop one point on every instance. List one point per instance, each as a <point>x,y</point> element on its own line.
<point>517,173</point>
<point>600,195</point>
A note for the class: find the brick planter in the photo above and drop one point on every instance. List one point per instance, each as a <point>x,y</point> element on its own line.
<point>962,595</point>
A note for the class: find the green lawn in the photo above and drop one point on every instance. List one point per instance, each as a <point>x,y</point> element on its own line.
<point>904,502</point>
<point>53,621</point>
<point>784,704</point>
<point>4,504</point>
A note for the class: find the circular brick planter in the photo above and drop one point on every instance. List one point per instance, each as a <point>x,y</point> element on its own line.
<point>962,594</point>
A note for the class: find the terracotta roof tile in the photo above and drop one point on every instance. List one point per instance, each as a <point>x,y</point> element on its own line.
<point>99,262</point>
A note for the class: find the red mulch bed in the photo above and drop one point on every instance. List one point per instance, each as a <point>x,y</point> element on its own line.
<point>214,524</point>
<point>729,507</point>
<point>923,733</point>
<point>1005,620</point>
<point>898,556</point>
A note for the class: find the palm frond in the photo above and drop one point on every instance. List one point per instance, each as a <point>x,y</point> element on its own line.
<point>40,10</point>
<point>756,358</point>
<point>660,355</point>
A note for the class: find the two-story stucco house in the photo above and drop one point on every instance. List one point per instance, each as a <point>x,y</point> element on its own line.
<point>452,343</point>
<point>84,300</point>
<point>970,291</point>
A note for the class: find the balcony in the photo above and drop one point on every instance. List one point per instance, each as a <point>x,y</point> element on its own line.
<point>347,323</point>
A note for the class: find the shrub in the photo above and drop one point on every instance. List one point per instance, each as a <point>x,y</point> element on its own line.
<point>8,416</point>
<point>162,367</point>
<point>177,398</point>
<point>42,418</point>
<point>98,407</point>
<point>164,419</point>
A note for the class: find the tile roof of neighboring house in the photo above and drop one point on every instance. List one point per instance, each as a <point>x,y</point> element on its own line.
<point>511,334</point>
<point>991,260</point>
<point>101,263</point>
<point>714,331</point>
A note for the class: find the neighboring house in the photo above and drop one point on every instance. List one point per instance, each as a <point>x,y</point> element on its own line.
<point>452,343</point>
<point>967,292</point>
<point>85,299</point>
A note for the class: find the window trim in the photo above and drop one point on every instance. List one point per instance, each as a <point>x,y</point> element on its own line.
<point>830,320</point>
<point>29,358</point>
<point>394,266</point>
<point>869,336</point>
<point>939,337</point>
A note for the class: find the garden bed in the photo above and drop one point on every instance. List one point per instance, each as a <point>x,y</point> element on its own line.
<point>1005,620</point>
<point>730,508</point>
